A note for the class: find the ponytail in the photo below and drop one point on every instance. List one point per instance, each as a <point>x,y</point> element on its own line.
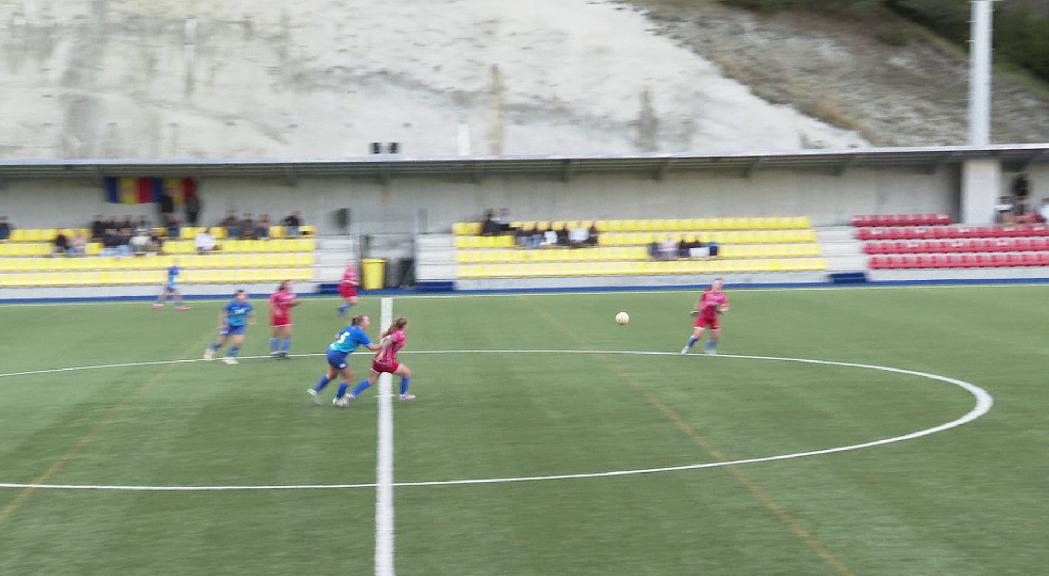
<point>398,324</point>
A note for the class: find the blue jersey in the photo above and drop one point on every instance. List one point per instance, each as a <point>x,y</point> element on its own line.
<point>349,339</point>
<point>173,273</point>
<point>237,313</point>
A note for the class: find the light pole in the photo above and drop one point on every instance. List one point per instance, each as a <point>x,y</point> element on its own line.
<point>980,73</point>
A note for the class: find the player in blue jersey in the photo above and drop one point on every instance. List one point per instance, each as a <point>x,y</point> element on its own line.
<point>346,341</point>
<point>234,319</point>
<point>170,288</point>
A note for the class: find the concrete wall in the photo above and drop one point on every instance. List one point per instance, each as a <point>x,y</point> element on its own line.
<point>432,204</point>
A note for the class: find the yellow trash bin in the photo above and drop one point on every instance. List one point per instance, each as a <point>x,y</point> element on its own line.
<point>374,273</point>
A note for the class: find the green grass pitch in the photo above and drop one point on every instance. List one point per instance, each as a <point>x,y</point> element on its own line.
<point>967,501</point>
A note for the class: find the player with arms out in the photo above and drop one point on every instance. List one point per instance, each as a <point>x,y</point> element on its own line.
<point>234,319</point>
<point>348,288</point>
<point>346,341</point>
<point>281,303</point>
<point>170,288</point>
<point>385,361</point>
<point>712,303</point>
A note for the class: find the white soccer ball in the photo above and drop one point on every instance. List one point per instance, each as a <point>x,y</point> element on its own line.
<point>622,318</point>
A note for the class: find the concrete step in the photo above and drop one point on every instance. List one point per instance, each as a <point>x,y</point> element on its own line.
<point>836,234</point>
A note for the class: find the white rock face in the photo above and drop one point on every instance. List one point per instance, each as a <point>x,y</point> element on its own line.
<point>305,78</point>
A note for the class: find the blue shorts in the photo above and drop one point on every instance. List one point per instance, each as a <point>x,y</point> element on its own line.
<point>337,360</point>
<point>232,331</point>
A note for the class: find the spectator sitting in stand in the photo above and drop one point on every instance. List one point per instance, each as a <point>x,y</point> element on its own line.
<point>139,243</point>
<point>262,228</point>
<point>490,226</point>
<point>668,248</point>
<point>591,235</point>
<point>113,243</point>
<point>143,222</point>
<point>77,246</point>
<point>204,241</point>
<point>5,228</point>
<point>61,244</point>
<point>156,243</point>
<point>231,225</point>
<point>173,227</point>
<point>550,238</point>
<point>1043,211</point>
<point>247,227</point>
<point>578,237</point>
<point>292,224</point>
<point>504,220</point>
<point>127,225</point>
<point>98,228</point>
<point>562,236</point>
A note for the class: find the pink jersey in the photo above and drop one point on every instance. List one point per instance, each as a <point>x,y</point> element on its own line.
<point>388,355</point>
<point>710,301</point>
<point>350,276</point>
<point>281,302</point>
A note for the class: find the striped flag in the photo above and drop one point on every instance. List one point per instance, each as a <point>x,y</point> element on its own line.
<point>148,190</point>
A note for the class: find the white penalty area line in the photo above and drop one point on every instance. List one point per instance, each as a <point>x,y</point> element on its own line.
<point>384,518</point>
<point>983,405</point>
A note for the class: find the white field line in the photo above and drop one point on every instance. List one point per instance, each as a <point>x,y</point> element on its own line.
<point>384,518</point>
<point>1034,283</point>
<point>983,405</point>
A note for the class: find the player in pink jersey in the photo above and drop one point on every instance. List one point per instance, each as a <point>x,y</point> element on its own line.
<point>348,287</point>
<point>386,360</point>
<point>712,304</point>
<point>281,303</point>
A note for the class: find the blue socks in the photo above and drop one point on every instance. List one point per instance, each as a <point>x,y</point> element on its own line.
<point>215,346</point>
<point>692,341</point>
<point>711,344</point>
<point>343,309</point>
<point>273,345</point>
<point>361,388</point>
<point>285,345</point>
<point>342,390</point>
<point>233,351</point>
<point>404,385</point>
<point>321,384</point>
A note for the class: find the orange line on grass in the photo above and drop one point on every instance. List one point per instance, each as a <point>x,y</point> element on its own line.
<point>670,414</point>
<point>84,440</point>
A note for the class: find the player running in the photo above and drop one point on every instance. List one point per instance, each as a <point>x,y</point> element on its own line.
<point>386,361</point>
<point>711,305</point>
<point>170,288</point>
<point>348,288</point>
<point>281,303</point>
<point>346,341</point>
<point>233,321</point>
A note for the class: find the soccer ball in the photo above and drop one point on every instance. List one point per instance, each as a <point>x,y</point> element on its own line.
<point>622,318</point>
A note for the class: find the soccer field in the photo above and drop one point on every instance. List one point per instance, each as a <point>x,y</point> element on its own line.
<point>520,388</point>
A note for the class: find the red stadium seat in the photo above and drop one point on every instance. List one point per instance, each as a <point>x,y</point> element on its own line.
<point>969,261</point>
<point>999,260</point>
<point>1039,244</point>
<point>922,262</point>
<point>857,221</point>
<point>941,219</point>
<point>1043,259</point>
<point>942,232</point>
<point>954,261</point>
<point>1038,230</point>
<point>884,220</point>
<point>1014,259</point>
<point>936,261</point>
<point>866,234</point>
<point>877,262</point>
<point>1029,259</point>
<point>1021,245</point>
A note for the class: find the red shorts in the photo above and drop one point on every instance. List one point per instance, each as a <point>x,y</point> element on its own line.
<point>280,320</point>
<point>347,290</point>
<point>705,321</point>
<point>383,367</point>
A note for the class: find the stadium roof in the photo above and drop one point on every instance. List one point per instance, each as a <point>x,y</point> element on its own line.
<point>385,166</point>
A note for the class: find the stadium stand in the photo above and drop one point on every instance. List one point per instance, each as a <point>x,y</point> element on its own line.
<point>901,242</point>
<point>22,262</point>
<point>773,244</point>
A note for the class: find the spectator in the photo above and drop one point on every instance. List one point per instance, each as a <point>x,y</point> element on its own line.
<point>504,220</point>
<point>61,244</point>
<point>526,239</point>
<point>578,237</point>
<point>5,229</point>
<point>98,228</point>
<point>78,245</point>
<point>668,249</point>
<point>111,243</point>
<point>550,238</point>
<point>490,226</point>
<point>167,206</point>
<point>562,236</point>
<point>292,224</point>
<point>156,243</point>
<point>262,228</point>
<point>1043,212</point>
<point>653,250</point>
<point>247,227</point>
<point>127,225</point>
<point>204,242</point>
<point>192,209</point>
<point>1021,188</point>
<point>591,235</point>
<point>1004,210</point>
<point>140,242</point>
<point>231,225</point>
<point>173,227</point>
<point>143,222</point>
